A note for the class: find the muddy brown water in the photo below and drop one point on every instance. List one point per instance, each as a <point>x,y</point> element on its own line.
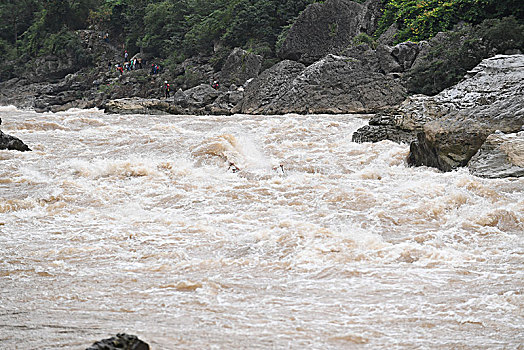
<point>135,224</point>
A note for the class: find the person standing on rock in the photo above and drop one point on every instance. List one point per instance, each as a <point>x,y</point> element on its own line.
<point>166,89</point>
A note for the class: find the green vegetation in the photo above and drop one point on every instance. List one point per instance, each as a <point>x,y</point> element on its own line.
<point>167,29</point>
<point>422,19</point>
<point>173,30</point>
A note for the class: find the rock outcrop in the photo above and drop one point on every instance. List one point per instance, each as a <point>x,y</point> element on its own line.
<point>8,142</point>
<point>270,86</point>
<point>335,84</point>
<point>452,126</point>
<point>122,341</point>
<point>328,27</point>
<point>240,66</point>
<point>502,155</point>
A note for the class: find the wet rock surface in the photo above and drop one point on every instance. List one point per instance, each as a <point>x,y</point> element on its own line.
<point>8,142</point>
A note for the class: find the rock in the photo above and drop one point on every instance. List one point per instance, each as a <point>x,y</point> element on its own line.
<point>383,127</point>
<point>335,84</point>
<point>195,71</point>
<point>405,53</point>
<point>122,341</point>
<point>201,95</point>
<point>226,103</point>
<point>239,67</point>
<point>270,86</point>
<point>328,27</point>
<point>388,64</point>
<point>457,121</point>
<point>366,55</point>
<point>502,155</point>
<point>452,126</point>
<point>180,98</point>
<point>12,143</point>
<point>388,37</point>
<point>136,105</point>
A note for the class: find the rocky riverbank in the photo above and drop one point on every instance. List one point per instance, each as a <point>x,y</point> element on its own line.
<point>481,118</point>
<point>330,65</point>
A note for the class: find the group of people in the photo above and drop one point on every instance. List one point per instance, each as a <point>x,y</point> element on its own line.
<point>155,69</point>
<point>129,64</point>
<point>136,63</point>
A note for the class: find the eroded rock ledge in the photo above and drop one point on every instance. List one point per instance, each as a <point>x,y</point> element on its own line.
<point>448,129</point>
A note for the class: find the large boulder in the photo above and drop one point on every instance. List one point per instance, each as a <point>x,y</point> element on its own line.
<point>405,53</point>
<point>270,86</point>
<point>240,66</point>
<point>335,84</point>
<point>328,27</point>
<point>201,95</point>
<point>9,142</point>
<point>459,119</point>
<point>502,155</point>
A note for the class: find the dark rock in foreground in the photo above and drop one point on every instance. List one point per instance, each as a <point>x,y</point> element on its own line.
<point>122,341</point>
<point>12,143</point>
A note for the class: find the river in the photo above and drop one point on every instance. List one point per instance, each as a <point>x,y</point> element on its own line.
<point>137,224</point>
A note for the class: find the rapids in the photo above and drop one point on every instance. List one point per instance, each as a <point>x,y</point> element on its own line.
<point>135,223</point>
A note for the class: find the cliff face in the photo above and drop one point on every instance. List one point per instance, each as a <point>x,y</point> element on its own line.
<point>328,27</point>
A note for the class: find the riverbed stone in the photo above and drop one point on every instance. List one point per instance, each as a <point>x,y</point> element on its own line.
<point>8,142</point>
<point>451,126</point>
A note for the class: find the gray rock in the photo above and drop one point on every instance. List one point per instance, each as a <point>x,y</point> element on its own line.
<point>451,127</point>
<point>201,95</point>
<point>239,67</point>
<point>366,55</point>
<point>457,121</point>
<point>136,105</point>
<point>502,155</point>
<point>389,36</point>
<point>388,64</point>
<point>180,98</point>
<point>383,127</point>
<point>405,53</point>
<point>328,27</point>
<point>335,84</point>
<point>270,86</point>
